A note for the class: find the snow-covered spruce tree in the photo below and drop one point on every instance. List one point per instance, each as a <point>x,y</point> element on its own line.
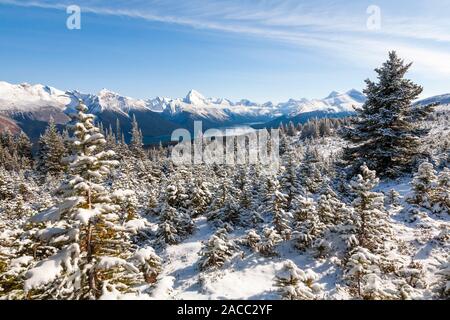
<point>51,151</point>
<point>16,208</point>
<point>13,262</point>
<point>243,184</point>
<point>174,222</point>
<point>393,197</point>
<point>169,220</point>
<point>363,270</point>
<point>296,284</point>
<point>24,146</point>
<point>280,216</point>
<point>311,130</point>
<point>370,240</point>
<point>325,129</point>
<point>444,284</point>
<point>216,250</point>
<point>307,225</point>
<point>152,201</point>
<point>225,207</point>
<point>270,185</point>
<point>413,281</point>
<point>7,140</point>
<point>252,239</point>
<point>291,130</point>
<point>386,130</point>
<point>200,197</point>
<point>5,157</point>
<point>423,186</point>
<point>111,139</point>
<point>370,217</point>
<point>14,258</point>
<point>289,181</point>
<point>230,213</point>
<point>330,209</point>
<point>176,193</point>
<point>6,185</point>
<point>251,197</point>
<point>136,144</point>
<point>129,189</point>
<point>442,194</point>
<point>310,170</point>
<point>92,249</point>
<point>148,262</point>
<point>269,242</point>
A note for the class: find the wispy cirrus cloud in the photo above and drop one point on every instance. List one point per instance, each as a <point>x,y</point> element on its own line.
<point>420,33</point>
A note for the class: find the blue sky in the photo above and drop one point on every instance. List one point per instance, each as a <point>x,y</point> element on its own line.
<point>256,49</point>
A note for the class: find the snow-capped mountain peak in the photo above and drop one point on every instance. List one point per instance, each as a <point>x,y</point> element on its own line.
<point>194,97</point>
<point>114,101</point>
<point>27,97</point>
<point>356,95</point>
<point>247,103</point>
<point>333,94</point>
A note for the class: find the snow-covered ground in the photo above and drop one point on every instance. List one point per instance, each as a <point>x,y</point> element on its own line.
<point>248,275</point>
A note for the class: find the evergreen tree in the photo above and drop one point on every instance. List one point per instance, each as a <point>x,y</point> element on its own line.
<point>7,141</point>
<point>230,213</point>
<point>444,285</point>
<point>136,145</point>
<point>93,252</point>
<point>174,222</point>
<point>289,181</point>
<point>13,261</point>
<point>111,139</point>
<point>51,151</point>
<point>296,284</point>
<point>370,217</point>
<point>152,202</point>
<point>291,131</point>
<point>256,206</point>
<point>6,185</point>
<point>269,242</point>
<point>308,227</point>
<point>244,185</point>
<point>168,223</point>
<point>325,127</point>
<point>200,197</point>
<point>252,239</point>
<point>423,186</point>
<point>24,146</point>
<point>386,132</point>
<point>284,143</point>
<point>363,270</point>
<point>271,185</point>
<point>330,209</point>
<point>393,197</point>
<point>310,171</point>
<point>280,216</point>
<point>413,278</point>
<point>217,250</point>
<point>17,209</point>
<point>442,197</point>
<point>148,262</point>
<point>371,241</point>
<point>225,207</point>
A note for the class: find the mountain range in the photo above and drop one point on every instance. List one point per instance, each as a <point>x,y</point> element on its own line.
<point>29,107</point>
